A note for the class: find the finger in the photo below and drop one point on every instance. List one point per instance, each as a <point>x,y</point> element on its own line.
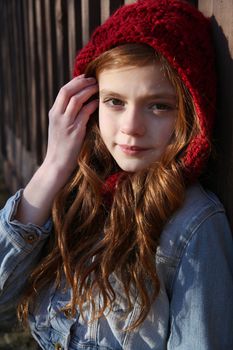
<point>85,113</point>
<point>77,101</point>
<point>67,91</point>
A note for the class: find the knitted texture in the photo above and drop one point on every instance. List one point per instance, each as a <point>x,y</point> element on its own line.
<point>183,35</point>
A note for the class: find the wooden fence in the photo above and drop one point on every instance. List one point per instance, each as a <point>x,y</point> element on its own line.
<point>38,42</point>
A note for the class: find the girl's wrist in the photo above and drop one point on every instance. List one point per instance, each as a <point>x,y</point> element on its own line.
<point>54,172</point>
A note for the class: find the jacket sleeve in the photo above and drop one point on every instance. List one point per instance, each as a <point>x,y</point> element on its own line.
<point>201,309</point>
<point>20,250</point>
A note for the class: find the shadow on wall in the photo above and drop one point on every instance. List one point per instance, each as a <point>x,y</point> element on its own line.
<point>220,167</point>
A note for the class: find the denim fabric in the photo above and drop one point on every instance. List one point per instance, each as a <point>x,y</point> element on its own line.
<point>194,309</point>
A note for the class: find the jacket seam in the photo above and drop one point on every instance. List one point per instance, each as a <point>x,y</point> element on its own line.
<point>186,244</point>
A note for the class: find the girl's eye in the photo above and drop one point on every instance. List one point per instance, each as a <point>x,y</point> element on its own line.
<point>112,102</point>
<point>160,107</point>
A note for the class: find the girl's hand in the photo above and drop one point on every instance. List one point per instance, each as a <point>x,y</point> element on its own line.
<point>67,126</point>
<point>67,123</point>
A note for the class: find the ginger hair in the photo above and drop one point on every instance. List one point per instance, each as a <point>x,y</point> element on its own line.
<point>94,242</point>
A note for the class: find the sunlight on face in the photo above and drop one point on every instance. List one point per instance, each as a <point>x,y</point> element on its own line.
<point>137,114</point>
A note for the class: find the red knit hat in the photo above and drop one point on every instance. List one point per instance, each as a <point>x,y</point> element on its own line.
<point>183,35</point>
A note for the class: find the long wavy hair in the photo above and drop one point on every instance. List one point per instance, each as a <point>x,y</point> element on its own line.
<point>94,242</point>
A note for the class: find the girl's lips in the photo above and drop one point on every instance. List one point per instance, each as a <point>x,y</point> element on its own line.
<point>131,149</point>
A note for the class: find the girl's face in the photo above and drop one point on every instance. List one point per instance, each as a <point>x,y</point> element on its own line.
<point>137,114</point>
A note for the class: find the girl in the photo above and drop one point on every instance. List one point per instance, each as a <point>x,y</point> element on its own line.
<point>137,255</point>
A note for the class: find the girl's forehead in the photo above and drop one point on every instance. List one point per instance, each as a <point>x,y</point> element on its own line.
<point>148,72</point>
<point>143,79</point>
<point>156,65</point>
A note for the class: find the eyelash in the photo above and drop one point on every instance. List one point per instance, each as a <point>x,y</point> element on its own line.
<point>160,107</point>
<point>111,99</point>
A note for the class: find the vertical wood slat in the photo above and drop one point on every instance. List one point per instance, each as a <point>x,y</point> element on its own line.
<point>105,10</point>
<point>3,79</point>
<point>71,34</point>
<point>94,15</point>
<point>85,21</point>
<point>78,23</point>
<point>62,41</point>
<point>11,73</point>
<point>32,83</point>
<point>114,5</point>
<point>74,32</point>
<point>51,53</point>
<point>36,141</point>
<point>43,81</point>
<point>12,103</point>
<point>18,89</point>
<point>193,2</point>
<point>129,1</point>
<point>221,14</point>
<point>26,75</point>
<point>18,78</point>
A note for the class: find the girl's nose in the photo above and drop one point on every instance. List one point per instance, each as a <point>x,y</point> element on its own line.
<point>133,123</point>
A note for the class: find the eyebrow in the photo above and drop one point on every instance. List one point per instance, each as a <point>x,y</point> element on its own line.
<point>161,94</point>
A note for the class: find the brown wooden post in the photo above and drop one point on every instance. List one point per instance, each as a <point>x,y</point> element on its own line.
<point>62,41</point>
<point>105,9</point>
<point>43,75</point>
<point>221,177</point>
<point>26,78</point>
<point>75,31</point>
<point>94,15</point>
<point>85,21</point>
<point>71,34</point>
<point>51,51</point>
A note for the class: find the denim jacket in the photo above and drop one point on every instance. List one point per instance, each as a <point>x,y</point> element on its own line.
<point>193,311</point>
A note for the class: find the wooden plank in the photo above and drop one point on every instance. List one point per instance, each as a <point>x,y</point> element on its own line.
<point>18,88</point>
<point>3,78</point>
<point>43,81</point>
<point>129,1</point>
<point>193,2</point>
<point>74,32</point>
<point>85,21</point>
<point>11,81</point>
<point>19,170</point>
<point>22,88</point>
<point>206,7</point>
<point>71,35</point>
<point>78,24</point>
<point>59,40</point>
<point>12,71</point>
<point>35,79</point>
<point>94,15</point>
<point>51,52</point>
<point>221,13</point>
<point>26,74</point>
<point>114,5</point>
<point>105,10</point>
<point>14,62</point>
<point>62,41</point>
